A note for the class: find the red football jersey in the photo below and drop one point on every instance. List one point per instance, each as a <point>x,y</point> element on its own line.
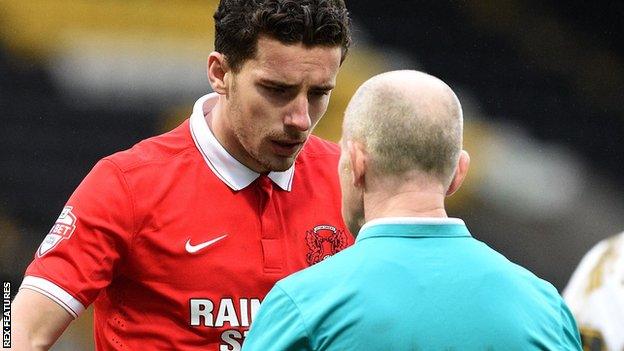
<point>176,242</point>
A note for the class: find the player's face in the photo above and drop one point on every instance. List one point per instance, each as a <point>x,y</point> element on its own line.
<point>352,198</point>
<point>276,99</point>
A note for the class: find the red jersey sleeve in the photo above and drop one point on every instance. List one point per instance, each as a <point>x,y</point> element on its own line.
<point>81,252</point>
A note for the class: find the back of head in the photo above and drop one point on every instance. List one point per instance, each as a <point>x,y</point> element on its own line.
<point>239,23</point>
<point>408,121</point>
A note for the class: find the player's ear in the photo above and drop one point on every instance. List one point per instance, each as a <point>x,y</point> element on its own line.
<point>460,173</point>
<point>218,72</point>
<point>358,157</point>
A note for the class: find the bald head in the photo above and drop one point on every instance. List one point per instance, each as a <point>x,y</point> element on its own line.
<point>407,121</point>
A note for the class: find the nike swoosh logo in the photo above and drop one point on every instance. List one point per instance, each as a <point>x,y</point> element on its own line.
<point>194,248</point>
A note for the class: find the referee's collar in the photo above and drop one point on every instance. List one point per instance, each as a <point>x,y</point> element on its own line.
<point>414,227</point>
<point>233,173</point>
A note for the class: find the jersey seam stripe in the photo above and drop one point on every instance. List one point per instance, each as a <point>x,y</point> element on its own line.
<point>563,324</point>
<point>51,297</point>
<point>303,323</point>
<point>132,201</point>
<point>131,167</point>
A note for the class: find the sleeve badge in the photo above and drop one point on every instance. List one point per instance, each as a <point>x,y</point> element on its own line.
<point>62,229</point>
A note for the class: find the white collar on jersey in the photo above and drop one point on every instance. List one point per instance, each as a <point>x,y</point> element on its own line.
<point>233,173</point>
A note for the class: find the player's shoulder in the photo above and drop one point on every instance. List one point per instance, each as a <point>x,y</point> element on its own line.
<point>319,155</point>
<point>605,254</point>
<point>598,264</point>
<point>317,147</point>
<point>606,249</point>
<point>154,150</point>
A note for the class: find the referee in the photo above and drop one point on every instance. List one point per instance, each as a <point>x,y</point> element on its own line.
<point>415,279</point>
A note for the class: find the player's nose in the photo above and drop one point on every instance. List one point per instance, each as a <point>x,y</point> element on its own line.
<point>299,115</point>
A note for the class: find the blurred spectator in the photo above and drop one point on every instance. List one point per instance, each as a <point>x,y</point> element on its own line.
<point>595,295</point>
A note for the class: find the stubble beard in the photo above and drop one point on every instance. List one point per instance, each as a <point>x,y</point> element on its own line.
<point>268,163</point>
<point>243,135</point>
<point>263,158</point>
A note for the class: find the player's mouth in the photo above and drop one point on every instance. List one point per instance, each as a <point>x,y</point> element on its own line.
<point>286,148</point>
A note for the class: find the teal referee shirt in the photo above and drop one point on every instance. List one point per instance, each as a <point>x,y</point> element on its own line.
<point>414,284</point>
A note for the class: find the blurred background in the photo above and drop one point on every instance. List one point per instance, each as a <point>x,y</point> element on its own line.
<point>541,85</point>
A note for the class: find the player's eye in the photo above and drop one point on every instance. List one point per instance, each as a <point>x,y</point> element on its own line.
<point>319,93</point>
<point>274,90</point>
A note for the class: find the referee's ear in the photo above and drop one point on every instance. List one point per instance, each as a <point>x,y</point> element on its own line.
<point>358,157</point>
<point>217,69</point>
<point>460,172</point>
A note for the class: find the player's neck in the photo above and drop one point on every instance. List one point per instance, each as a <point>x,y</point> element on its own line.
<point>217,121</point>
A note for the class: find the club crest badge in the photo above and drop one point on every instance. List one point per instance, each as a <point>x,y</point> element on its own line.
<point>62,229</point>
<point>324,241</point>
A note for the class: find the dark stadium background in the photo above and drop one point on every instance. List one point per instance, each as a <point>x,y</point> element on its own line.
<point>541,84</point>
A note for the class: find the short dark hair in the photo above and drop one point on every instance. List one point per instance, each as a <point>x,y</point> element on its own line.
<point>239,23</point>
